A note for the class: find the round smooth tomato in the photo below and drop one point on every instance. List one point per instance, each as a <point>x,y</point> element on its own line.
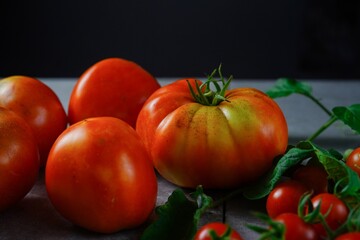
<point>19,158</point>
<point>296,228</point>
<point>112,87</point>
<point>38,105</point>
<point>99,176</point>
<point>314,177</point>
<point>285,197</point>
<point>338,211</point>
<point>353,160</point>
<point>349,236</point>
<point>217,230</point>
<point>219,146</point>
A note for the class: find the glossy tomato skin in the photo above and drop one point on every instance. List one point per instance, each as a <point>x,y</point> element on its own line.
<point>111,87</point>
<point>349,236</point>
<point>285,197</point>
<point>19,158</point>
<point>219,146</point>
<point>338,211</point>
<point>219,228</point>
<point>99,176</point>
<point>38,105</point>
<point>353,160</point>
<point>296,228</point>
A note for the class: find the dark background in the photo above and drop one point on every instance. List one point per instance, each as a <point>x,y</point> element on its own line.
<point>251,38</point>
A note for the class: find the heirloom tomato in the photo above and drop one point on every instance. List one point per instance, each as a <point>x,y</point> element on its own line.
<point>217,230</point>
<point>218,139</point>
<point>38,105</point>
<point>99,176</point>
<point>112,87</point>
<point>19,158</point>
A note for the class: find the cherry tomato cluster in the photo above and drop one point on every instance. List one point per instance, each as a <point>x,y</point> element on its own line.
<point>307,209</point>
<point>98,173</point>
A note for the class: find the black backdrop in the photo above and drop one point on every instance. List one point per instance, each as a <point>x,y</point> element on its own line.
<point>251,38</point>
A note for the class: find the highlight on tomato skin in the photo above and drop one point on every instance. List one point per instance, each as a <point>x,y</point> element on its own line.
<point>217,230</point>
<point>222,146</point>
<point>113,87</point>
<point>353,160</point>
<point>99,176</point>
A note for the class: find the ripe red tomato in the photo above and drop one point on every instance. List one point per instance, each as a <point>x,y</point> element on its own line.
<point>353,160</point>
<point>19,158</point>
<point>219,229</point>
<point>219,146</point>
<point>112,87</point>
<point>285,197</point>
<point>349,236</point>
<point>338,211</point>
<point>296,228</point>
<point>38,105</point>
<point>314,177</point>
<point>99,176</point>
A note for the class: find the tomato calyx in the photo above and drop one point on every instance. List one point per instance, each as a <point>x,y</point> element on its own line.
<point>205,94</point>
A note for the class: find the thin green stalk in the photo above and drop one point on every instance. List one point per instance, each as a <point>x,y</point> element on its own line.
<point>319,104</point>
<point>323,128</point>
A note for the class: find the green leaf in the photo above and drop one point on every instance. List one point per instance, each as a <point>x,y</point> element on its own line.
<point>286,86</point>
<point>349,115</point>
<point>178,218</point>
<point>264,186</point>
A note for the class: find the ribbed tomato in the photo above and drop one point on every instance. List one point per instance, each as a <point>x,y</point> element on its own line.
<point>230,142</point>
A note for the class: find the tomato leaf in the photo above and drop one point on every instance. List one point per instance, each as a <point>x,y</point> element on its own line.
<point>263,187</point>
<point>178,218</point>
<point>286,86</point>
<point>349,115</point>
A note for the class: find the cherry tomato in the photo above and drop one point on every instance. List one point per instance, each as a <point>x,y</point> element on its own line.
<point>337,215</point>
<point>349,236</point>
<point>99,176</point>
<point>220,146</point>
<point>19,158</point>
<point>296,228</point>
<point>353,160</point>
<point>112,87</point>
<point>38,105</point>
<point>314,177</point>
<point>218,229</point>
<point>285,197</point>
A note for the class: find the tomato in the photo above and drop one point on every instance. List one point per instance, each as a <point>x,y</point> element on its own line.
<point>314,177</point>
<point>349,236</point>
<point>353,160</point>
<point>338,211</point>
<point>219,229</point>
<point>285,197</point>
<point>219,146</point>
<point>99,176</point>
<point>112,87</point>
<point>296,228</point>
<point>38,105</point>
<point>19,158</point>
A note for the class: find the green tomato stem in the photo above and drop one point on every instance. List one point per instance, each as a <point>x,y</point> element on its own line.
<point>328,112</point>
<point>323,128</point>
